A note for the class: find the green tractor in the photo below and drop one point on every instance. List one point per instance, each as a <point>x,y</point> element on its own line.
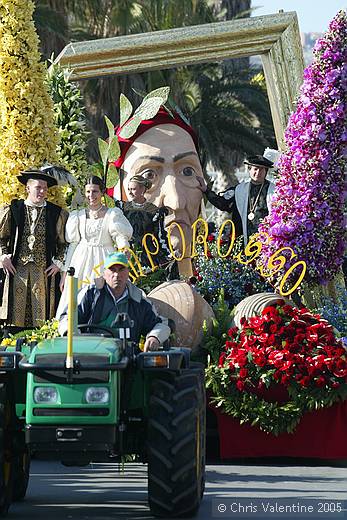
<point>93,397</point>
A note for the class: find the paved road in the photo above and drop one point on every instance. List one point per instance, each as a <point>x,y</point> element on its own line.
<point>101,492</point>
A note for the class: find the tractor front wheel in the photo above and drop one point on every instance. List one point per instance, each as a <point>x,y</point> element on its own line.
<point>21,474</point>
<point>176,444</point>
<point>6,448</point>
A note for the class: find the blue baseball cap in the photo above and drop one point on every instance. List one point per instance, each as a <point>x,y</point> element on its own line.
<point>117,258</point>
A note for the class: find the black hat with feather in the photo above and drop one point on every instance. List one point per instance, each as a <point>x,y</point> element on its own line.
<point>54,175</point>
<point>38,174</point>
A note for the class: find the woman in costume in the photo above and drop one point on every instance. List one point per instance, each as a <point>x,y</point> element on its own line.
<point>145,217</point>
<point>92,233</point>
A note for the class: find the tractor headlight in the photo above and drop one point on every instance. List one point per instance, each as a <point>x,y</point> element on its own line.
<point>7,361</point>
<point>97,395</point>
<point>46,394</point>
<point>155,361</point>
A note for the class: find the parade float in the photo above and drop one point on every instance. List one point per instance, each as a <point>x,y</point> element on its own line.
<point>284,369</point>
<point>279,377</point>
<point>285,255</point>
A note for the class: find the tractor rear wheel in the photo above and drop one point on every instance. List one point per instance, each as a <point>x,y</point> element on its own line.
<point>176,444</point>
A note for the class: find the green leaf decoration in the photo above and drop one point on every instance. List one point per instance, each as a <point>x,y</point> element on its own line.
<point>96,169</point>
<point>70,121</point>
<point>103,149</point>
<point>109,201</point>
<point>112,176</point>
<point>130,127</point>
<point>126,109</point>
<point>114,150</point>
<point>110,127</point>
<point>162,92</point>
<point>149,108</point>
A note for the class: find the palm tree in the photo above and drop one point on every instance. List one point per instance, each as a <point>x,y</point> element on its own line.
<point>226,110</point>
<point>93,19</point>
<point>224,107</point>
<point>51,21</point>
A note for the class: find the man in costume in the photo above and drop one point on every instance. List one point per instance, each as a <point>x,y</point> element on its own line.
<point>249,202</point>
<point>99,304</point>
<point>164,150</point>
<point>32,241</point>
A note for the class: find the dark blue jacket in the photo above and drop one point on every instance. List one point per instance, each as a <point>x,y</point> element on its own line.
<point>95,299</point>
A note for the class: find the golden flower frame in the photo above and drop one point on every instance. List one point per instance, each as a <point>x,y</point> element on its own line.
<point>275,38</point>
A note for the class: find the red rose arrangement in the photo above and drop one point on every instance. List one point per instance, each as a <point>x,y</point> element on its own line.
<point>288,348</point>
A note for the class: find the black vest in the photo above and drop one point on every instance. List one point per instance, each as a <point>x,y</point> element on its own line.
<point>17,222</point>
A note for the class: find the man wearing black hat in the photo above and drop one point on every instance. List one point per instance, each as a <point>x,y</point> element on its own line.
<point>32,241</point>
<point>249,202</point>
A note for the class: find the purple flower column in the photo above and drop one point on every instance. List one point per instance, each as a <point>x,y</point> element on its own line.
<point>307,212</point>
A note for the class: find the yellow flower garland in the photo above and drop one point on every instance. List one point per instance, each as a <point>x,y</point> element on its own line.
<point>28,134</point>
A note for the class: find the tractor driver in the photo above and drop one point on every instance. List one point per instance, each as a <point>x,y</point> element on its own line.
<point>99,304</point>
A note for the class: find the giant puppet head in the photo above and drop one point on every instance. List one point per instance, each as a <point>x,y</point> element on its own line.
<point>165,150</point>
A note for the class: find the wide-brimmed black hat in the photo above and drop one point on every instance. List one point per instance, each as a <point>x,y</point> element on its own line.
<point>38,174</point>
<point>259,160</point>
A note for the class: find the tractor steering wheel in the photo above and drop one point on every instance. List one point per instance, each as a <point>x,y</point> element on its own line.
<point>110,332</point>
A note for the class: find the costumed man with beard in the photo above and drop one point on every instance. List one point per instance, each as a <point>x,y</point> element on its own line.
<point>32,241</point>
<point>249,202</point>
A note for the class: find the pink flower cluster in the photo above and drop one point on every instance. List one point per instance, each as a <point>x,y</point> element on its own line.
<point>307,212</point>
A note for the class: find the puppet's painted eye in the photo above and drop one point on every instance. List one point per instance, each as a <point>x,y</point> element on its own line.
<point>148,174</point>
<point>188,171</point>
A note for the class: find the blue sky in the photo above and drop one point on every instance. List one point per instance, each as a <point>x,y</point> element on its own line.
<point>313,15</point>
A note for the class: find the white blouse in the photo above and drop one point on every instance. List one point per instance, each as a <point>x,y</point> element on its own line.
<point>111,230</point>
